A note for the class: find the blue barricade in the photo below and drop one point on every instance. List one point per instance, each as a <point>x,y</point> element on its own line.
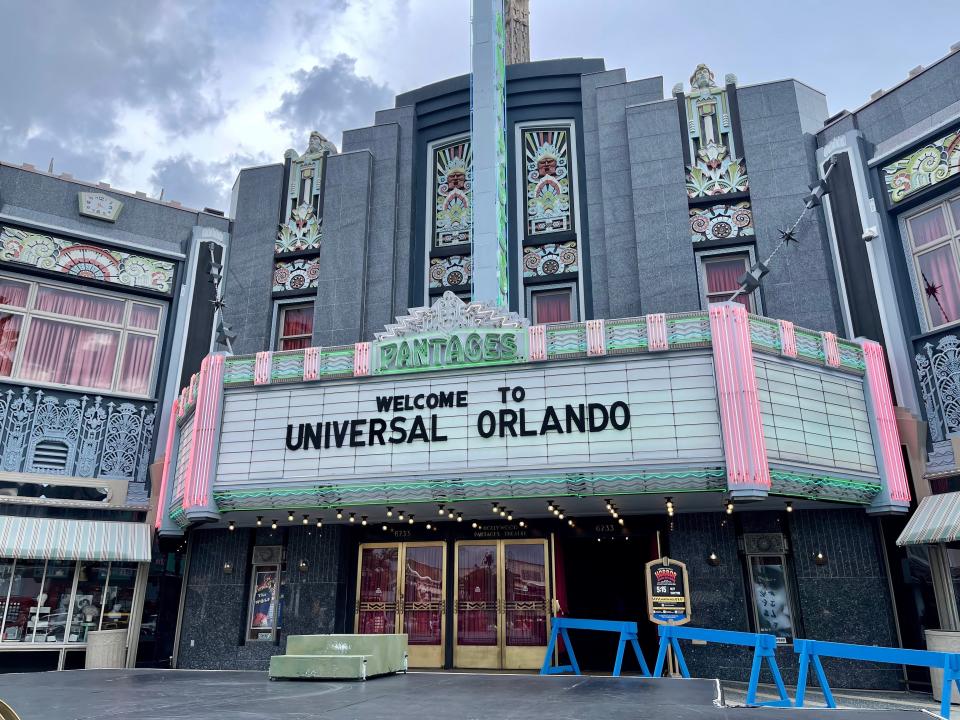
<point>763,649</point>
<point>628,634</point>
<point>810,651</point>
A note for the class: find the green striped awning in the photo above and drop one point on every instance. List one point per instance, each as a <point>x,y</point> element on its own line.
<point>936,520</point>
<point>55,539</point>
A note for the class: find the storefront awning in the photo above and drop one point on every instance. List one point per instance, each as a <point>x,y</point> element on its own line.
<point>47,538</point>
<point>937,520</point>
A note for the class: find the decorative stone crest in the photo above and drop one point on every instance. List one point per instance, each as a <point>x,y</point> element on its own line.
<point>450,313</point>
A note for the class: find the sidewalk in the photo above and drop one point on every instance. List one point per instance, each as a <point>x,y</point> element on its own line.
<point>735,693</point>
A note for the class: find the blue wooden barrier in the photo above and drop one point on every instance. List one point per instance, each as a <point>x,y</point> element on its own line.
<point>628,634</point>
<point>763,649</point>
<point>810,651</point>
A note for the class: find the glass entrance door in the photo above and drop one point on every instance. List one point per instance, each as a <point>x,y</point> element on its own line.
<point>400,588</point>
<point>501,613</point>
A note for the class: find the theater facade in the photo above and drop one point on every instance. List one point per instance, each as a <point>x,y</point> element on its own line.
<point>378,452</point>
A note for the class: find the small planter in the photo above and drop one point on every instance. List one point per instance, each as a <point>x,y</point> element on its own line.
<point>943,641</point>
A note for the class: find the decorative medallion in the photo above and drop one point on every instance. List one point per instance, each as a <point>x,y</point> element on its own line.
<point>546,159</point>
<point>931,164</point>
<point>99,205</point>
<point>85,260</point>
<point>721,222</point>
<point>450,271</point>
<point>300,232</point>
<point>298,274</point>
<point>450,313</point>
<point>715,170</point>
<point>452,191</point>
<point>550,259</point>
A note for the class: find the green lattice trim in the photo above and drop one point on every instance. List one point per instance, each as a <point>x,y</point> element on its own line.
<point>238,370</point>
<point>566,341</point>
<point>177,515</point>
<point>823,487</point>
<point>765,334</point>
<point>332,496</point>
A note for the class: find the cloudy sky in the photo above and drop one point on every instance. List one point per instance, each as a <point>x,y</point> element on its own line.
<point>179,94</point>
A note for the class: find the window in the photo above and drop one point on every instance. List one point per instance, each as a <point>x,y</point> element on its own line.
<point>53,335</point>
<point>551,305</point>
<point>296,327</point>
<point>721,278</point>
<point>38,603</point>
<point>933,237</point>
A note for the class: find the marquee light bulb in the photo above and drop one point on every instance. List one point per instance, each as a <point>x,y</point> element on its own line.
<point>790,507</point>
<point>570,522</point>
<point>383,527</point>
<point>429,526</point>
<point>363,519</point>
<point>615,514</point>
<point>273,525</point>
<point>620,521</point>
<point>459,517</point>
<point>290,516</point>
<point>353,517</point>
<point>390,512</point>
<point>306,519</point>
<point>474,525</point>
<point>522,523</point>
<point>440,511</point>
<point>510,515</point>
<point>410,520</point>
<point>232,526</point>
<point>503,513</point>
<point>496,508</point>
<point>259,520</point>
<point>319,522</point>
<point>450,514</point>
<point>339,514</point>
<point>609,505</point>
<point>556,511</point>
<point>729,507</point>
<point>400,515</point>
<point>550,506</point>
<point>560,515</point>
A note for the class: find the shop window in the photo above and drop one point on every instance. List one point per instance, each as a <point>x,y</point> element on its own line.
<point>295,329</point>
<point>26,609</point>
<point>552,305</point>
<point>720,278</point>
<point>933,237</point>
<point>771,596</point>
<point>88,603</point>
<point>77,339</point>
<point>264,615</point>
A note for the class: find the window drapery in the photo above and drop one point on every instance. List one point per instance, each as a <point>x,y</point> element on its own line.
<point>551,307</point>
<point>939,284</point>
<point>296,328</point>
<point>69,354</point>
<point>137,364</point>
<point>928,227</point>
<point>722,276</point>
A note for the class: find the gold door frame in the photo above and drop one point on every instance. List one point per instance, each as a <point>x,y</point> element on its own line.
<point>501,656</point>
<point>418,655</point>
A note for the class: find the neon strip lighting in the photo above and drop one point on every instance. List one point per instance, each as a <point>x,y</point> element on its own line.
<point>262,367</point>
<point>894,472</point>
<point>311,363</point>
<point>830,349</point>
<point>205,431</point>
<point>657,332</point>
<point>537,341</point>
<point>361,359</point>
<point>743,442</point>
<point>596,338</point>
<point>165,476</point>
<point>788,339</point>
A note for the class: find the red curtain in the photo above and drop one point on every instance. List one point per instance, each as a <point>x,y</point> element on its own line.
<point>477,595</point>
<point>137,364</point>
<point>297,321</point>
<point>78,305</point>
<point>9,335</point>
<point>723,279</point>
<point>13,293</point>
<point>940,285</point>
<point>552,307</point>
<point>69,354</point>
<point>146,317</point>
<point>423,594</point>
<point>526,595</point>
<point>378,591</point>
<point>928,227</point>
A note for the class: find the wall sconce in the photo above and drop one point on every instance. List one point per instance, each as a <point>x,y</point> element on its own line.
<point>713,560</point>
<point>227,569</point>
<point>303,566</point>
<point>819,558</point>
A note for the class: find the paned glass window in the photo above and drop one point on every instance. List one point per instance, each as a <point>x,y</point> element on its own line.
<point>296,327</point>
<point>934,241</point>
<point>551,306</point>
<point>721,275</point>
<point>78,339</point>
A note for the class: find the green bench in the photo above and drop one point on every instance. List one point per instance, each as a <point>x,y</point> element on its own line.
<point>340,657</point>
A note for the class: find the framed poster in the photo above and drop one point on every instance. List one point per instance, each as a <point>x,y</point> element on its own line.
<point>263,603</point>
<point>668,592</point>
<point>771,596</point>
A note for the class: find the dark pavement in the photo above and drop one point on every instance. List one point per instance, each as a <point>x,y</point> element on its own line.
<point>209,695</point>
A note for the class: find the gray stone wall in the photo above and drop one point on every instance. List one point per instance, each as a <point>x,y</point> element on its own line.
<point>341,289</point>
<point>778,120</point>
<point>249,274</point>
<point>845,600</point>
<point>216,604</point>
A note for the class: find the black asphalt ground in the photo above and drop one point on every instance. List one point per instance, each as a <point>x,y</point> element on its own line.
<point>215,695</point>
